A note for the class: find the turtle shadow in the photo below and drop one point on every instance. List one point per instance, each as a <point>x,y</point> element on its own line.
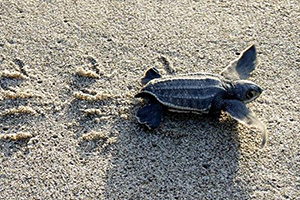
<point>187,157</point>
<point>205,125</point>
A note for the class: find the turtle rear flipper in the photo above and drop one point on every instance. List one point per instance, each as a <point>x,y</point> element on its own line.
<point>150,74</point>
<point>150,115</point>
<point>237,110</point>
<point>242,66</point>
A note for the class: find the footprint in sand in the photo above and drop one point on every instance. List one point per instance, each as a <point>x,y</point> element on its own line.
<point>94,111</point>
<point>14,104</point>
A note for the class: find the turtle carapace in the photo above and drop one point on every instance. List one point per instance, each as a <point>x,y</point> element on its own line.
<point>203,93</point>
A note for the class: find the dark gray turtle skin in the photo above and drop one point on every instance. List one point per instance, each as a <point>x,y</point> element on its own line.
<point>199,94</point>
<point>203,93</point>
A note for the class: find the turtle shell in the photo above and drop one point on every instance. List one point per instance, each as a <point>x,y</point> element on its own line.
<point>195,92</point>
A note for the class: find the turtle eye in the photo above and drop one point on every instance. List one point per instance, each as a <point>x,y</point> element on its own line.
<point>250,94</point>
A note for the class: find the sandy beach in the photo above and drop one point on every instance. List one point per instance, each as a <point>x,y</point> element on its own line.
<point>69,71</point>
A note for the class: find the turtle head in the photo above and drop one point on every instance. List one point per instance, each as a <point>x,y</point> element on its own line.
<point>246,91</point>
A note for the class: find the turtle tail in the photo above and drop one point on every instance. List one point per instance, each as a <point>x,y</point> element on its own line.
<point>150,115</point>
<point>150,74</point>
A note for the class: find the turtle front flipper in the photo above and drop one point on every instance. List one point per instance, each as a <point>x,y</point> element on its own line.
<point>150,74</point>
<point>242,66</point>
<point>237,110</point>
<point>150,115</point>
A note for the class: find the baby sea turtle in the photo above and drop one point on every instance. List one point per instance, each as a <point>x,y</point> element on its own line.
<point>203,93</point>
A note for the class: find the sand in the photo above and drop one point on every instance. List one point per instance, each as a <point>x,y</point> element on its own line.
<point>70,69</point>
